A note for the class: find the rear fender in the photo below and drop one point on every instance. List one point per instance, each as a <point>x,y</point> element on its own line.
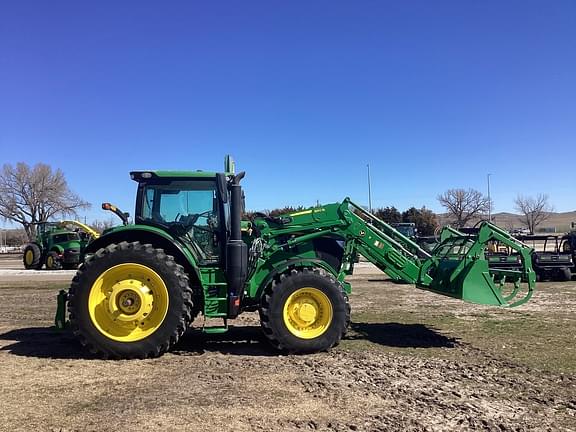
<point>149,235</point>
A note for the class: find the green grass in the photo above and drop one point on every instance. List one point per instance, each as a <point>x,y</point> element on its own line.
<point>535,340</point>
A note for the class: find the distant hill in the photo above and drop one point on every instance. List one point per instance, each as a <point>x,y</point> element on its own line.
<point>560,221</point>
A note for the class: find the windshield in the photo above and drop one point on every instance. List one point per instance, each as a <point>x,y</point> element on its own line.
<point>61,238</point>
<point>188,206</point>
<point>407,230</point>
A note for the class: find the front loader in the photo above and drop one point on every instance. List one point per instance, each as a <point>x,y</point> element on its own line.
<point>188,253</point>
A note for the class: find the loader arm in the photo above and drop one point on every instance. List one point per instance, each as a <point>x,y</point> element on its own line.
<point>94,234</point>
<point>457,267</point>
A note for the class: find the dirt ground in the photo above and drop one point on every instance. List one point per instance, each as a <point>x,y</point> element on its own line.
<point>412,360</point>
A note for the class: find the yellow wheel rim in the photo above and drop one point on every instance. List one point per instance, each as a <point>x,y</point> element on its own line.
<point>50,262</point>
<point>29,257</point>
<point>128,302</point>
<point>307,313</point>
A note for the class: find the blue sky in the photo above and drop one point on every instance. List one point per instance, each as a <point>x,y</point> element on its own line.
<point>303,94</point>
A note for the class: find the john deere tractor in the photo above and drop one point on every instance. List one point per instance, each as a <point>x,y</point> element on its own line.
<point>189,252</point>
<point>57,246</point>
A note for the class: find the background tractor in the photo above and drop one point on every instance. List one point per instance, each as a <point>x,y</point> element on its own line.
<point>569,245</point>
<point>189,253</point>
<point>57,246</point>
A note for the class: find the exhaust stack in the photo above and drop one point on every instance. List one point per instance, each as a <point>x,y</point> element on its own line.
<point>236,249</point>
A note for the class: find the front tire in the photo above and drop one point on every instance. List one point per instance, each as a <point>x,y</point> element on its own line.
<point>53,261</point>
<point>304,311</point>
<point>130,301</point>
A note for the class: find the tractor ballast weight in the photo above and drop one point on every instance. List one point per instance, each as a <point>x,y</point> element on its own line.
<point>189,253</point>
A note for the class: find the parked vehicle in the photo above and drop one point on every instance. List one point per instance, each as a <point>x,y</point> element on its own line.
<point>550,260</point>
<point>407,229</point>
<point>56,246</point>
<point>568,246</point>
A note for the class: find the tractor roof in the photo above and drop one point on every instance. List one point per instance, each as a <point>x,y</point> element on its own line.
<point>149,174</point>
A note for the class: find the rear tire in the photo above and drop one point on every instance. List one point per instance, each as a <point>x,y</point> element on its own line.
<point>32,257</point>
<point>130,301</point>
<point>304,311</point>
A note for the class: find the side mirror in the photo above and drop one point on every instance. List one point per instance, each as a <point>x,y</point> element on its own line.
<point>222,185</point>
<point>122,215</point>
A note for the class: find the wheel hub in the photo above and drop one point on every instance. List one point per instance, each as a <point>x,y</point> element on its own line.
<point>307,313</point>
<point>130,300</point>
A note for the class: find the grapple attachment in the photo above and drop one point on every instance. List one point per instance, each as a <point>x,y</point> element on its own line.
<point>459,268</point>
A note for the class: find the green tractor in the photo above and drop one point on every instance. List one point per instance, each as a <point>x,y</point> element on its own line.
<point>188,252</point>
<point>57,246</point>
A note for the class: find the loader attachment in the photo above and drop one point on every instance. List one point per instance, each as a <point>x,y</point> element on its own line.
<point>459,268</point>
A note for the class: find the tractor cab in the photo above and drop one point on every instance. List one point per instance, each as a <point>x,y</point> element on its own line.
<point>189,205</point>
<point>407,229</point>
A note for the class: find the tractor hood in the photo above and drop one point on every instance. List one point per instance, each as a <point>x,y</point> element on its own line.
<point>67,245</point>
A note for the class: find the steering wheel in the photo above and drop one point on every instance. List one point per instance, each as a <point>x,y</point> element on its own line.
<point>189,221</point>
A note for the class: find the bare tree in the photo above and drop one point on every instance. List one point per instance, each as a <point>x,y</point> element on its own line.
<point>464,205</point>
<point>534,210</point>
<point>103,224</point>
<point>29,195</point>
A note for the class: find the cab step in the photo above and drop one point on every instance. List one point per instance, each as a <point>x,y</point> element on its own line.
<point>215,329</point>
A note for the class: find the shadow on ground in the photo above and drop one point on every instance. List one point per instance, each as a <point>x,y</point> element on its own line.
<point>47,342</point>
<point>400,335</point>
<point>246,340</point>
<point>44,342</point>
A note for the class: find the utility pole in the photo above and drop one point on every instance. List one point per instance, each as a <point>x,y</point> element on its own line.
<point>489,201</point>
<point>369,190</point>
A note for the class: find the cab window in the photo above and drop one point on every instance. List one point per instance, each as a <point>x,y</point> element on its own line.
<point>190,207</point>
